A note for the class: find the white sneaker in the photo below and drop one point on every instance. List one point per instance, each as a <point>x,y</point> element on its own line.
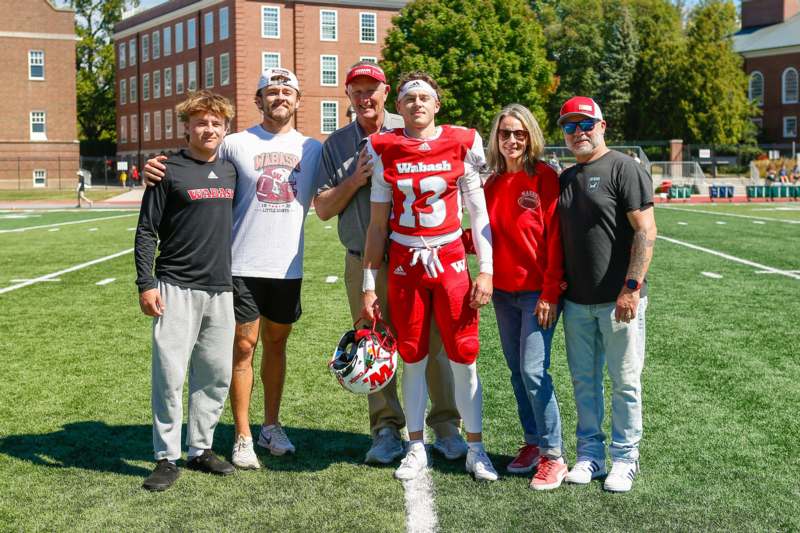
<point>413,464</point>
<point>275,440</point>
<point>452,447</point>
<point>620,479</point>
<point>479,464</point>
<point>585,470</point>
<point>386,447</point>
<point>244,456</point>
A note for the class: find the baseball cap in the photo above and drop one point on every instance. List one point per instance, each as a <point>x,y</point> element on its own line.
<point>278,76</point>
<point>371,71</point>
<point>579,105</point>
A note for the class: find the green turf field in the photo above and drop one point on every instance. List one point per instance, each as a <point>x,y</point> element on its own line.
<point>96,194</point>
<point>721,392</point>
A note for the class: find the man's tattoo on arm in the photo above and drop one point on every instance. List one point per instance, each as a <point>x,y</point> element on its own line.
<point>641,253</point>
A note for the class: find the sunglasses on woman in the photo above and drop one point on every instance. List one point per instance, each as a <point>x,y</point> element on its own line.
<point>585,124</point>
<point>519,135</point>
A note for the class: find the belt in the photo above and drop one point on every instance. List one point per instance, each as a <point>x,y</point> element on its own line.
<point>354,252</point>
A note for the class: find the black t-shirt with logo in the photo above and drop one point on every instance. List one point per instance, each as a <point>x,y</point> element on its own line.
<point>190,211</point>
<point>597,236</point>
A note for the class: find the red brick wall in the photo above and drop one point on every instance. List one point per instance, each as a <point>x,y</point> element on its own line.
<point>774,110</point>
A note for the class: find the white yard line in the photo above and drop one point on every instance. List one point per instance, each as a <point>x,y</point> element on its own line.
<point>18,280</point>
<point>787,273</point>
<point>420,506</point>
<point>712,275</point>
<point>65,271</point>
<point>729,214</point>
<point>106,281</point>
<point>19,230</point>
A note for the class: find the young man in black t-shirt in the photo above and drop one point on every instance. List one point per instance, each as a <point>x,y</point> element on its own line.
<point>190,296</point>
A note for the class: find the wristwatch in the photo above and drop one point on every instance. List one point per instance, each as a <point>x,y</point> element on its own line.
<point>632,284</point>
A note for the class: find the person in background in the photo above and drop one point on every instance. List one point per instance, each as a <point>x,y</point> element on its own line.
<point>81,189</point>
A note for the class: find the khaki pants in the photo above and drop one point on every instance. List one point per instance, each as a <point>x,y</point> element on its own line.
<point>384,406</point>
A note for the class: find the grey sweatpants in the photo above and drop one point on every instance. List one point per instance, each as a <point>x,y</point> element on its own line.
<point>195,333</point>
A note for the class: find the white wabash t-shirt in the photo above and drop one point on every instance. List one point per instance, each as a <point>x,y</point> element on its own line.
<point>277,181</point>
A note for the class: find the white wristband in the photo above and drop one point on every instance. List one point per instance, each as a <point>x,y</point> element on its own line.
<point>369,279</point>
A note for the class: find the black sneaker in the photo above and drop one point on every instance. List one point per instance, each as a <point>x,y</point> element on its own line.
<point>210,464</point>
<point>162,477</point>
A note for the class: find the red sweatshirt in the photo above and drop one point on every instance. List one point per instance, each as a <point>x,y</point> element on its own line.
<point>526,235</point>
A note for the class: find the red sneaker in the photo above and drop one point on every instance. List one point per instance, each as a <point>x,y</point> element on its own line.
<point>526,460</point>
<point>550,474</point>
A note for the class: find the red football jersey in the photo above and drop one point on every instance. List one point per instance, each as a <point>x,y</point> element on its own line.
<point>421,177</point>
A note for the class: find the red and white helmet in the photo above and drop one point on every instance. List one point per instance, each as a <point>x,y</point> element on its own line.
<point>365,360</point>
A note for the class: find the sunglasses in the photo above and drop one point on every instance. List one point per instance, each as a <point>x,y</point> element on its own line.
<point>585,124</point>
<point>519,135</point>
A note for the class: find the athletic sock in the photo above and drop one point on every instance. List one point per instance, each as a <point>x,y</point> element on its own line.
<point>415,394</point>
<point>194,452</point>
<point>468,395</point>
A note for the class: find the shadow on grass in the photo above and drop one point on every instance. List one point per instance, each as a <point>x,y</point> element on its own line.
<point>94,445</point>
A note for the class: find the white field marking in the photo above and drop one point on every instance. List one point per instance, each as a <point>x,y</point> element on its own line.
<point>721,223</point>
<point>712,275</point>
<point>328,227</point>
<point>770,272</point>
<point>787,273</point>
<point>420,507</point>
<point>54,229</point>
<point>683,223</point>
<point>331,279</point>
<point>65,271</point>
<point>789,208</point>
<point>27,279</point>
<point>18,215</point>
<point>106,281</point>
<point>19,230</point>
<point>131,229</point>
<point>92,229</point>
<point>729,214</point>
<point>759,222</point>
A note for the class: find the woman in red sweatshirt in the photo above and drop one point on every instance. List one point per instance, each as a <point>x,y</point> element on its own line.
<point>521,196</point>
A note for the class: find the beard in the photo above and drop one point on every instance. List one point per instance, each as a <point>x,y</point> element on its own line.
<point>592,142</point>
<point>278,112</point>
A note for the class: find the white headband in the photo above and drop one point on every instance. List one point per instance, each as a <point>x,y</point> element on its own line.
<point>416,85</point>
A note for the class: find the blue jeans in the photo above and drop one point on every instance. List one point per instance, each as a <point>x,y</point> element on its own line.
<point>527,349</point>
<point>593,339</point>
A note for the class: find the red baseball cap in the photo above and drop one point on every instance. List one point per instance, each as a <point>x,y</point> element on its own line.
<point>371,71</point>
<point>580,105</point>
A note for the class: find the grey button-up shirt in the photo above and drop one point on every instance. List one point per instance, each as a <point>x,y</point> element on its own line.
<point>339,159</point>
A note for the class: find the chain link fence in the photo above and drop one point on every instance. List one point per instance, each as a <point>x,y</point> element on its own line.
<point>61,172</point>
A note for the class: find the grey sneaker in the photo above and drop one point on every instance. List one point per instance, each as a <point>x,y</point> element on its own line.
<point>480,466</point>
<point>386,447</point>
<point>244,456</point>
<point>275,440</point>
<point>452,447</point>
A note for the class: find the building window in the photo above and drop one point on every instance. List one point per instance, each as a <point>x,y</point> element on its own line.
<point>156,44</point>
<point>209,72</point>
<point>36,64</point>
<point>369,59</point>
<point>223,23</point>
<point>123,92</point>
<point>157,125</point>
<point>134,90</point>
<point>40,178</point>
<point>790,127</point>
<point>224,69</point>
<point>270,22</point>
<point>179,79</point>
<point>191,34</point>
<point>146,87</point>
<point>208,28</point>
<point>132,52</point>
<point>327,25</point>
<point>38,126</point>
<point>168,123</point>
<point>369,28</point>
<point>756,88</point>
<point>329,67</point>
<point>178,37</point>
<point>168,41</point>
<point>192,75</point>
<point>168,81</point>
<point>134,128</point>
<point>789,82</point>
<point>146,127</point>
<point>330,116</point>
<point>123,130</point>
<point>180,128</point>
<point>145,48</point>
<point>122,56</point>
<point>157,84</point>
<point>270,60</point>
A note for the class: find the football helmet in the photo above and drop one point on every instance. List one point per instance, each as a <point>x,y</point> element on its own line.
<point>365,360</point>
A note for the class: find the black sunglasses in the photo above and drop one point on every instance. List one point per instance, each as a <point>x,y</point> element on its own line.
<point>585,124</point>
<point>519,135</point>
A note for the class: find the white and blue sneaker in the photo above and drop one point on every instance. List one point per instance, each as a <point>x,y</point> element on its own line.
<point>585,470</point>
<point>620,479</point>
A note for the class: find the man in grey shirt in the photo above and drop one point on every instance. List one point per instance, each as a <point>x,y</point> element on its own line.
<point>344,174</point>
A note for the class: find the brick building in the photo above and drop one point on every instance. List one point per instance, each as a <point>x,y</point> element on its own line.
<point>223,45</point>
<point>769,41</point>
<point>39,138</point>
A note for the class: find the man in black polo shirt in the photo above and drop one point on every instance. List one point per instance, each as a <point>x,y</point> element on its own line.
<point>191,296</point>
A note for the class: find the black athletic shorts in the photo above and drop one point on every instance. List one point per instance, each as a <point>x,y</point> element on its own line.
<point>276,299</point>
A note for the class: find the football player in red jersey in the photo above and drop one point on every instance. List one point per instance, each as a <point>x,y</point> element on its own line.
<point>421,175</point>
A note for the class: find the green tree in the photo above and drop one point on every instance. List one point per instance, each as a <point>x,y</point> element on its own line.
<point>94,24</point>
<point>714,100</point>
<point>484,54</point>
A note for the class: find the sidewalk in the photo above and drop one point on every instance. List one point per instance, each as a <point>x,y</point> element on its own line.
<point>131,199</point>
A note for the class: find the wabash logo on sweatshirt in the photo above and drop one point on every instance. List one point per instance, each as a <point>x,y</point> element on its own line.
<point>210,192</point>
<point>529,200</point>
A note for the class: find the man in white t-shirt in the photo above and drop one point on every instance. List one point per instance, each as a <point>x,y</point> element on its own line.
<point>277,169</point>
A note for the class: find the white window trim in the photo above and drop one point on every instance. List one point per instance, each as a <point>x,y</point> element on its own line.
<point>145,40</point>
<point>322,116</point>
<point>122,55</point>
<point>786,135</point>
<point>155,37</point>
<point>750,87</point>
<point>222,81</point>
<point>208,22</point>
<point>264,9</point>
<point>146,131</point>
<point>30,64</point>
<point>166,44</point>
<point>44,175</point>
<point>227,23</point>
<point>168,120</point>
<point>179,68</point>
<point>156,125</point>
<point>786,71</point>
<point>37,136</point>
<point>189,77</point>
<point>156,86</point>
<point>321,71</point>
<point>145,87</point>
<point>123,130</point>
<point>335,25</point>
<point>167,87</point>
<point>265,54</point>
<point>179,49</point>
<point>133,90</point>
<point>123,91</point>
<point>361,27</point>
<point>134,129</point>
<point>209,61</point>
<point>133,52</point>
<point>191,22</point>
<point>369,58</point>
